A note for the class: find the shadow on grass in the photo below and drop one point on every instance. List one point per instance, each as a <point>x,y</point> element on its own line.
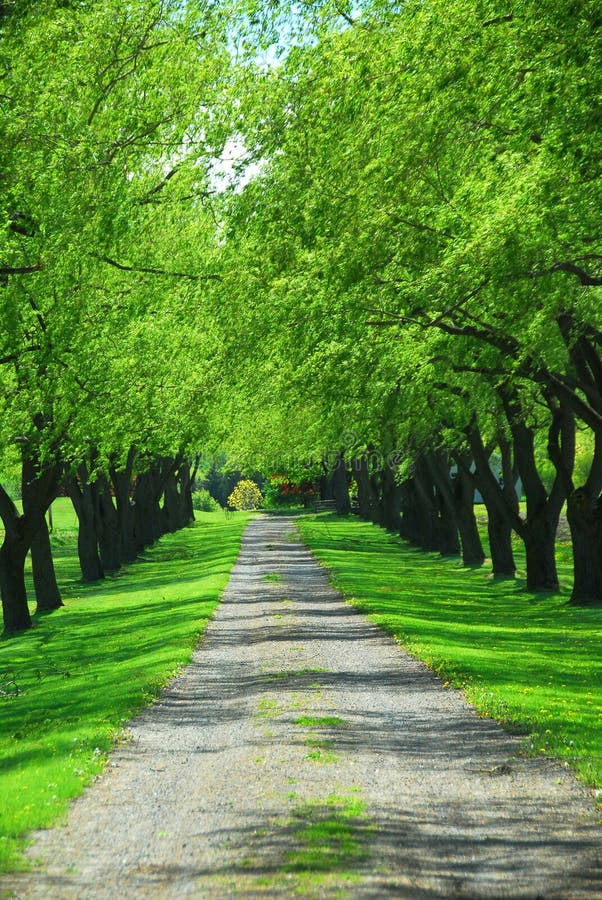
<point>522,657</point>
<point>82,671</point>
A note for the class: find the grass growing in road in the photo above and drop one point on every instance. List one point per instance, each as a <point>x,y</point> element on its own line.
<point>330,837</point>
<point>531,661</point>
<point>320,722</point>
<point>73,680</point>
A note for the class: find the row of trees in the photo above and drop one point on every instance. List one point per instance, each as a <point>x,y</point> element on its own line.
<point>416,270</point>
<point>107,242</point>
<point>401,268</point>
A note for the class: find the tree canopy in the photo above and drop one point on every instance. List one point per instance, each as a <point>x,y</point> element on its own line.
<point>400,275</point>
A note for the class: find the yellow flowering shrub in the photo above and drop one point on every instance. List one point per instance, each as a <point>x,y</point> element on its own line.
<point>246,495</point>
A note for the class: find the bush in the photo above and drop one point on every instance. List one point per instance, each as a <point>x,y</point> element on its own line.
<point>204,502</point>
<point>246,495</point>
<point>283,492</point>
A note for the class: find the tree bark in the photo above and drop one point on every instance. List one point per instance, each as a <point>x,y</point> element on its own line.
<point>500,501</point>
<point>326,485</point>
<point>174,512</point>
<point>390,499</point>
<point>584,516</point>
<point>185,480</point>
<point>48,595</point>
<point>122,483</point>
<point>82,496</point>
<point>340,486</point>
<point>410,526</point>
<point>38,491</point>
<point>499,534</point>
<point>15,610</point>
<point>463,498</point>
<point>377,508</point>
<point>429,535</point>
<point>109,543</point>
<point>359,470</point>
<point>148,514</point>
<point>538,531</point>
<point>456,517</point>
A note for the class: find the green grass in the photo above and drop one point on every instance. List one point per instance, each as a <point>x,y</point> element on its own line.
<point>273,578</point>
<point>74,680</point>
<point>320,722</point>
<point>330,836</point>
<point>531,661</point>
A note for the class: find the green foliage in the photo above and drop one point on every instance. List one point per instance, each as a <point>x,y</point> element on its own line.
<point>219,480</point>
<point>284,492</point>
<point>70,686</point>
<point>425,174</point>
<point>203,501</point>
<point>102,224</point>
<point>246,495</point>
<point>11,482</point>
<point>533,663</point>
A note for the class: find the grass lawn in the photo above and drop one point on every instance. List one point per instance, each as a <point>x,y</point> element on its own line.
<point>69,685</point>
<point>531,661</point>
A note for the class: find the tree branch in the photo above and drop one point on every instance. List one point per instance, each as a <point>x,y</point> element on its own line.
<point>498,20</point>
<point>584,277</point>
<point>148,270</point>
<point>161,185</point>
<point>20,270</point>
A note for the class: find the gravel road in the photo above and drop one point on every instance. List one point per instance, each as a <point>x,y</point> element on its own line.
<point>302,753</point>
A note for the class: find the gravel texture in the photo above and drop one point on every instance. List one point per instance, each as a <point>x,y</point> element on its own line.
<point>303,753</point>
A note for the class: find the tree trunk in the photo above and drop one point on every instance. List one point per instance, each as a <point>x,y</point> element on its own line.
<point>48,595</point>
<point>463,498</point>
<point>38,491</point>
<point>438,466</point>
<point>190,487</point>
<point>584,514</point>
<point>172,512</point>
<point>122,481</point>
<point>499,533</point>
<point>449,540</point>
<point>585,521</point>
<point>326,486</point>
<point>359,469</point>
<point>500,501</point>
<point>148,513</point>
<point>376,503</point>
<point>540,547</point>
<point>340,487</point>
<point>108,532</point>
<point>428,535</point>
<point>543,508</point>
<point>410,526</point>
<point>390,499</point>
<point>185,480</point>
<point>457,505</point>
<point>87,549</point>
<point>15,609</point>
<point>83,499</point>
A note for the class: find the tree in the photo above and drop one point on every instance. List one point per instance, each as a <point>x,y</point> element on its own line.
<point>469,215</point>
<point>102,171</point>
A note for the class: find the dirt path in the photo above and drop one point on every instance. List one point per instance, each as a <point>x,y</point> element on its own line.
<point>302,753</point>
